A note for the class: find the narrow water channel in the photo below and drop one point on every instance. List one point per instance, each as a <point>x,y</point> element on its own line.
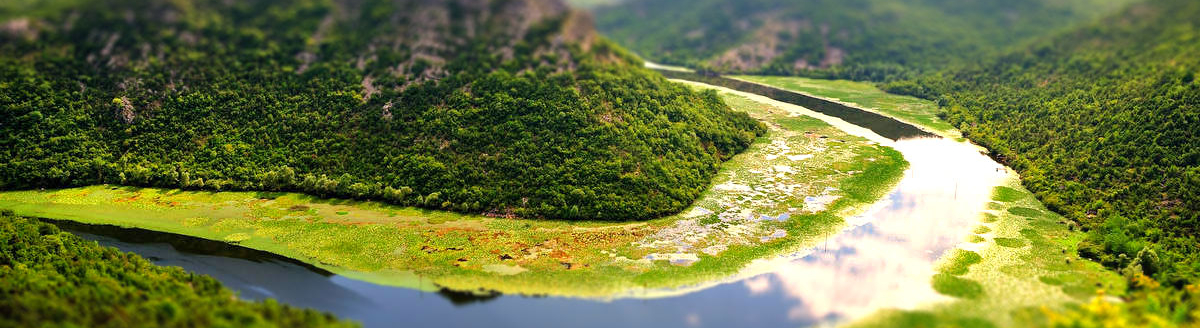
<point>880,124</point>
<point>884,259</point>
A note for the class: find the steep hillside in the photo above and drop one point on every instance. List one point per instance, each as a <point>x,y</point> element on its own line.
<point>1102,124</point>
<point>857,39</point>
<point>503,107</point>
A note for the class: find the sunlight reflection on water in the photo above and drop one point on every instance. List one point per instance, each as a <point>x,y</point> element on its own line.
<point>873,265</point>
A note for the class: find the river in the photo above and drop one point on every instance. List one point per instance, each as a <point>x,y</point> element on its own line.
<point>883,259</point>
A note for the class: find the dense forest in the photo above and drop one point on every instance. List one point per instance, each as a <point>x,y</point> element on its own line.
<point>502,107</point>
<point>51,278</point>
<point>1102,123</point>
<point>851,39</point>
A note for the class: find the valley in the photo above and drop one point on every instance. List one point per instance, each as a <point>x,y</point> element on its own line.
<point>509,163</point>
<point>771,212</point>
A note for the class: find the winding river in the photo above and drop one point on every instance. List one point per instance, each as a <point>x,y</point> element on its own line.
<point>883,259</point>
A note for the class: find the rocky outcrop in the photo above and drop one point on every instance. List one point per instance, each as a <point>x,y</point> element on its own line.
<point>124,110</point>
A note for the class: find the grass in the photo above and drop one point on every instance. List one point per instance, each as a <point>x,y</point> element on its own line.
<point>1010,242</point>
<point>865,95</point>
<point>950,285</point>
<point>1025,212</point>
<point>724,230</point>
<point>958,262</point>
<point>1006,194</point>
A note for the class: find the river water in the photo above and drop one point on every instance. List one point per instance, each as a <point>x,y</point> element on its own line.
<point>884,259</point>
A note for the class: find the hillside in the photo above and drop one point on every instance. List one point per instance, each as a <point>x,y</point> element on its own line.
<point>1101,123</point>
<point>860,39</point>
<point>503,107</point>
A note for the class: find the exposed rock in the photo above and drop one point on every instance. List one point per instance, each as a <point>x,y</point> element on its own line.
<point>768,43</point>
<point>124,111</point>
<point>369,89</point>
<point>387,111</point>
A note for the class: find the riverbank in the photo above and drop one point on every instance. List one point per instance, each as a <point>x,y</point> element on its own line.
<point>1021,260</point>
<point>911,110</point>
<point>790,190</point>
<point>1020,264</point>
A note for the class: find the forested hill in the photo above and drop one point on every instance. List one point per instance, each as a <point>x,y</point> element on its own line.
<point>1104,125</point>
<point>853,39</point>
<point>503,107</point>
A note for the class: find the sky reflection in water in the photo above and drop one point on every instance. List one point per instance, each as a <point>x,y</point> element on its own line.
<point>871,265</point>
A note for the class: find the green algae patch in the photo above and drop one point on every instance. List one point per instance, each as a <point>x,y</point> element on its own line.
<point>959,261</point>
<point>990,218</point>
<point>784,194</point>
<point>950,285</point>
<point>863,95</point>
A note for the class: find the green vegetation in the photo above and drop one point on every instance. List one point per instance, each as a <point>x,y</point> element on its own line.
<point>982,230</point>
<point>1006,194</point>
<point>1027,275</point>
<point>1101,123</point>
<point>1023,271</point>
<point>951,285</point>
<point>1010,242</point>
<point>514,108</point>
<point>51,278</point>
<point>921,319</point>
<point>1025,212</point>
<point>958,262</point>
<point>715,240</point>
<point>858,39</point>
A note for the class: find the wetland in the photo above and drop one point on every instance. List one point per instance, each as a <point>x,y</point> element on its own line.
<point>819,222</point>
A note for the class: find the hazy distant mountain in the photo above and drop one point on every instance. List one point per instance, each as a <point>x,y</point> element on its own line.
<point>859,39</point>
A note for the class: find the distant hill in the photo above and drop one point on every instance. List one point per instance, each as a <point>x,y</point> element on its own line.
<point>503,107</point>
<point>854,39</point>
<point>1103,123</point>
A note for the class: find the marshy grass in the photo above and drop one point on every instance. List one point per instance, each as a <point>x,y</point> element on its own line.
<point>958,262</point>
<point>951,285</point>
